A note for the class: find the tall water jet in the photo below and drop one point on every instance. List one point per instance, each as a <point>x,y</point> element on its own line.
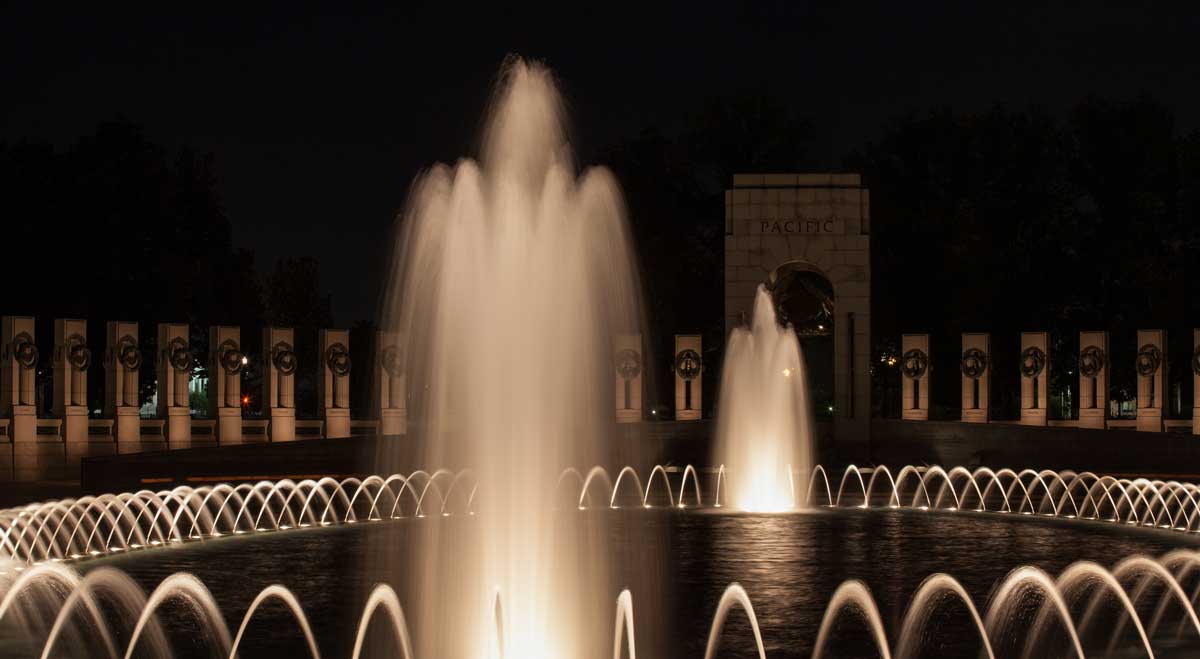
<point>514,275</point>
<point>764,424</point>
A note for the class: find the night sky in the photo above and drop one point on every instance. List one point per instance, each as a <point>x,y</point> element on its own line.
<point>319,122</point>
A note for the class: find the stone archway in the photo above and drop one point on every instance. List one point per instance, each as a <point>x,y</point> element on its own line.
<point>805,300</point>
<point>778,224</point>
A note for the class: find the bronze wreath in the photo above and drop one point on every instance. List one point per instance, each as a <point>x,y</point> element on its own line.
<point>25,353</point>
<point>179,355</point>
<point>1149,359</point>
<point>231,357</point>
<point>629,364</point>
<point>389,359</point>
<point>128,354</point>
<point>1196,361</point>
<point>78,355</point>
<point>1033,361</point>
<point>1091,361</point>
<point>688,364</point>
<point>283,357</point>
<point>337,358</point>
<point>914,364</point>
<point>974,363</point>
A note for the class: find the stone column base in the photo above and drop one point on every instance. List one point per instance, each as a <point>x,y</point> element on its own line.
<point>1093,417</point>
<point>178,427</point>
<point>128,426</point>
<point>229,425</point>
<point>915,415</point>
<point>393,422</point>
<point>75,423</point>
<point>24,424</point>
<point>283,424</point>
<point>337,422</point>
<point>628,416</point>
<point>1149,419</point>
<point>1032,417</point>
<point>975,416</point>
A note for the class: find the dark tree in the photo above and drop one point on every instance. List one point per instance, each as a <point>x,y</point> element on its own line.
<point>1015,221</point>
<point>116,228</point>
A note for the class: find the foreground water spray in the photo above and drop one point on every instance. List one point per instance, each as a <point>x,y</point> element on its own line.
<point>764,429</point>
<point>514,278</point>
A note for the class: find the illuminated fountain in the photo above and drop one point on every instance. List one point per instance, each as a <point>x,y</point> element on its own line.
<point>78,529</point>
<point>106,613</point>
<point>515,280</point>
<point>1135,602</point>
<point>515,277</point>
<point>764,431</point>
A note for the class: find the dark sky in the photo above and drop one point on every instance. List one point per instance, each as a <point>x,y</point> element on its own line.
<point>320,121</point>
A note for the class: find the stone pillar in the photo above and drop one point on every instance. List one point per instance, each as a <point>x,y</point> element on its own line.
<point>976,375</point>
<point>1035,377</point>
<point>33,459</point>
<point>1196,381</point>
<point>71,362</point>
<point>688,368</point>
<point>914,372</point>
<point>122,360</point>
<point>19,401</point>
<point>334,382</point>
<point>390,374</point>
<point>279,382</point>
<point>174,378</point>
<point>628,364</point>
<point>72,359</point>
<point>1093,379</point>
<point>1151,379</point>
<point>225,363</point>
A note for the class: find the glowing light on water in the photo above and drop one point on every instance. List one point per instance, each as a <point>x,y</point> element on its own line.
<point>764,435</point>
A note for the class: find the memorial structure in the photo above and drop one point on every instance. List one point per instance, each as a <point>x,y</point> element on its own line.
<point>174,370</point>
<point>1093,379</point>
<point>279,382</point>
<point>688,368</point>
<point>1151,379</point>
<point>976,376</point>
<point>816,223</point>
<point>393,392</point>
<point>1035,374</point>
<point>122,361</point>
<point>225,364</point>
<point>72,359</point>
<point>628,377</point>
<point>33,456</point>
<point>915,378</point>
<point>334,382</point>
